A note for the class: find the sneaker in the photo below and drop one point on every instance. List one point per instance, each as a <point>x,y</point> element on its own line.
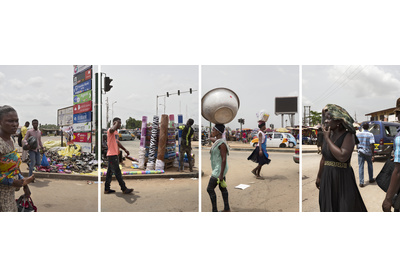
<point>371,181</point>
<point>109,191</point>
<point>128,191</point>
<point>362,185</point>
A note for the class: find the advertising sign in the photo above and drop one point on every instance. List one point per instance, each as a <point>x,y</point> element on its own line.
<point>83,137</point>
<point>83,87</point>
<point>84,127</point>
<point>83,97</point>
<point>83,107</point>
<point>82,76</point>
<point>78,69</point>
<point>64,116</point>
<point>83,118</point>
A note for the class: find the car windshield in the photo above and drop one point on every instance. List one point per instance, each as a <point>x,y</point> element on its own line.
<point>375,129</point>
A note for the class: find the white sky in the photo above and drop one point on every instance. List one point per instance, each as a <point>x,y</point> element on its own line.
<point>256,87</point>
<point>135,90</point>
<point>37,91</point>
<point>360,89</point>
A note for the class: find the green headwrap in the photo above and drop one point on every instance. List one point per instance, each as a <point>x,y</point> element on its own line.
<point>339,113</point>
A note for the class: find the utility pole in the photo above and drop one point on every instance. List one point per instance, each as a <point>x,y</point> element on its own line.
<point>306,117</point>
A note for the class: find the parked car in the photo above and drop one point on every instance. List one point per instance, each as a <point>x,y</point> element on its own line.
<point>296,156</point>
<point>384,133</point>
<point>291,139</point>
<point>274,139</point>
<point>125,135</point>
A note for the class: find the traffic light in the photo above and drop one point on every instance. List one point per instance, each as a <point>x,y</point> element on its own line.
<point>190,90</point>
<point>167,94</point>
<point>179,92</point>
<point>107,82</point>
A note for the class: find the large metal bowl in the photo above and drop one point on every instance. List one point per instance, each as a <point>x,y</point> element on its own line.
<point>220,105</point>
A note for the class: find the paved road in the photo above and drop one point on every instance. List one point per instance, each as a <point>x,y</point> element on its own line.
<point>278,192</point>
<point>372,195</point>
<point>54,195</point>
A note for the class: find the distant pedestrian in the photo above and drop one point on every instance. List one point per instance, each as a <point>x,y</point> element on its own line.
<point>336,182</point>
<point>260,154</point>
<point>186,145</point>
<point>114,145</point>
<point>32,143</point>
<point>365,153</point>
<point>219,165</point>
<point>24,130</point>
<point>394,186</point>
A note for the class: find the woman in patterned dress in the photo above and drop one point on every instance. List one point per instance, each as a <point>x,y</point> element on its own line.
<point>10,178</point>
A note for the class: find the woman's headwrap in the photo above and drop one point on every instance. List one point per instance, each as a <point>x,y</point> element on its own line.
<point>220,128</point>
<point>339,113</point>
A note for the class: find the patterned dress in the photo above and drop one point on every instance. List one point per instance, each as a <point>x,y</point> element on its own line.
<point>7,192</point>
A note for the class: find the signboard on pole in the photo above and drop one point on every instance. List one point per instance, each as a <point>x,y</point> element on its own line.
<point>83,137</point>
<point>83,97</point>
<point>83,117</point>
<point>83,127</point>
<point>83,87</point>
<point>78,69</point>
<point>65,116</point>
<point>85,147</point>
<point>83,107</point>
<point>82,76</point>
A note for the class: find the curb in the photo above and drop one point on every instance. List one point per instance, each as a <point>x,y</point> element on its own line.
<point>43,175</point>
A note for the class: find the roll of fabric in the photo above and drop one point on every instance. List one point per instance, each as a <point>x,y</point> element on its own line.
<point>162,142</point>
<point>153,144</point>
<point>143,132</point>
<point>142,157</point>
<point>171,121</point>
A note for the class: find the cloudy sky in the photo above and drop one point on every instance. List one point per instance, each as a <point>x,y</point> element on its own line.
<point>256,87</point>
<point>360,89</point>
<point>135,90</point>
<point>36,91</point>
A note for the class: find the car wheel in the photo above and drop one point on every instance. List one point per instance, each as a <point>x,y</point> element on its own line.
<point>291,145</point>
<point>282,145</point>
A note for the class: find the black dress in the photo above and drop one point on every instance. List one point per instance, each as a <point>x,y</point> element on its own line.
<point>338,187</point>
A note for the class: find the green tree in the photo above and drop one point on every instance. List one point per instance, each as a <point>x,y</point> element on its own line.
<point>131,123</point>
<point>315,117</point>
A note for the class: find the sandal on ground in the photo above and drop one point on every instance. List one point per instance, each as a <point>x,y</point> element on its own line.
<point>254,172</point>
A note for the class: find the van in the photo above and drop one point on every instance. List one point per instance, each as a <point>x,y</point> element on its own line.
<point>384,133</point>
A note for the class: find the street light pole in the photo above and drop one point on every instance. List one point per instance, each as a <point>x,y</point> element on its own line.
<point>112,108</point>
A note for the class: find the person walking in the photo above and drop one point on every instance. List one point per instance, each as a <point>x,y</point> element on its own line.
<point>11,179</point>
<point>260,154</point>
<point>24,130</point>
<point>336,182</point>
<point>394,186</point>
<point>114,145</point>
<point>219,165</point>
<point>186,145</point>
<point>365,153</point>
<point>34,154</point>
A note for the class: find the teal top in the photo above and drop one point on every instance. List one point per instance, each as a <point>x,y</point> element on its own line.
<point>216,159</point>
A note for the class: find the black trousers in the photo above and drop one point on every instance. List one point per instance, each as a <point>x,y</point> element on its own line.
<point>113,168</point>
<point>212,184</point>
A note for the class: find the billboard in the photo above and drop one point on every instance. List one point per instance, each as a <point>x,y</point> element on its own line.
<point>83,107</point>
<point>285,105</point>
<point>65,116</point>
<point>82,118</point>
<point>83,97</point>
<point>85,147</point>
<point>83,87</point>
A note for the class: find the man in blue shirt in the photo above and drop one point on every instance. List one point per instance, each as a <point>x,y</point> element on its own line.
<point>365,153</point>
<point>394,185</point>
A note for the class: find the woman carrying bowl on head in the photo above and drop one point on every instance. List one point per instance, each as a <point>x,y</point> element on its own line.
<point>219,165</point>
<point>335,179</point>
<point>10,178</point>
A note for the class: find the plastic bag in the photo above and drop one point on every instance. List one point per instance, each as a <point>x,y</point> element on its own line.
<point>383,179</point>
<point>45,162</point>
